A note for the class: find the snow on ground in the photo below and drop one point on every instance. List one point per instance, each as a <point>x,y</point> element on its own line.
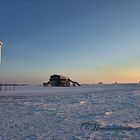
<point>38,113</point>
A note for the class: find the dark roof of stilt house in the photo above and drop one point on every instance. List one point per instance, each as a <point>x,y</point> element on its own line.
<point>61,76</point>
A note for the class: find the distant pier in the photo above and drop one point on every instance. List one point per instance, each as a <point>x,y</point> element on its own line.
<point>9,87</point>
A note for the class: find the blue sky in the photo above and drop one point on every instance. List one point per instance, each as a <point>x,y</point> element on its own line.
<point>87,40</point>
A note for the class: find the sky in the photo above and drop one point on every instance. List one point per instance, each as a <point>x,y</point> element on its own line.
<point>87,40</point>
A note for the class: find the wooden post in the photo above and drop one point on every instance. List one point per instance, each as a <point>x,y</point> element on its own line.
<point>0,87</point>
<point>14,86</point>
<point>6,86</point>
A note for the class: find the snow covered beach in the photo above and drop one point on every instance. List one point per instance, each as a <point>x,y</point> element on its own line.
<point>37,113</point>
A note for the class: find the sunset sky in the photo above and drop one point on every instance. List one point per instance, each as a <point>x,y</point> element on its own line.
<point>86,40</point>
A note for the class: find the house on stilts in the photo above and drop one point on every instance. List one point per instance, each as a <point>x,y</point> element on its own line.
<point>60,81</point>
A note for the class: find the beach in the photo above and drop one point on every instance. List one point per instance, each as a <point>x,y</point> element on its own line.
<point>38,113</point>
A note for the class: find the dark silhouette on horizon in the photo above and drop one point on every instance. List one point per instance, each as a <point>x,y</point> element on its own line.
<point>60,81</point>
